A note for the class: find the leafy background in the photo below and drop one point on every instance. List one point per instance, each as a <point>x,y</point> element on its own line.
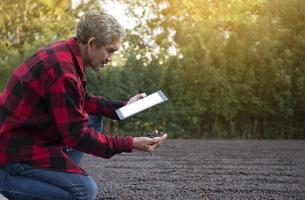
<point>231,68</point>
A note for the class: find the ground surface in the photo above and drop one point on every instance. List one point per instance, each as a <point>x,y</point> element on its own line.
<point>204,169</point>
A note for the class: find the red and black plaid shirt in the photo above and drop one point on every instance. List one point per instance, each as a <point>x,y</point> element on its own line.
<point>44,107</point>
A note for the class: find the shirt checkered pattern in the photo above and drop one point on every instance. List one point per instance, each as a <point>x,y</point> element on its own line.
<point>44,108</point>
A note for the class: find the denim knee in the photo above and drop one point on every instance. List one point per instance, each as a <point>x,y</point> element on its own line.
<point>93,189</point>
<point>95,122</point>
<point>89,190</point>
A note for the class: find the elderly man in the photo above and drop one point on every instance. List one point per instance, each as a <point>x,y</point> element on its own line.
<point>44,111</point>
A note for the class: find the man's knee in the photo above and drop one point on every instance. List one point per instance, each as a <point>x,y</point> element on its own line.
<point>92,189</point>
<point>89,189</point>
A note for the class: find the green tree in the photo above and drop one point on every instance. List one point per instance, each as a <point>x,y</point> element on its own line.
<point>30,24</point>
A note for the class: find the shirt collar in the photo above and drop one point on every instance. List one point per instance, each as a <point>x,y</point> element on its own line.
<point>80,68</point>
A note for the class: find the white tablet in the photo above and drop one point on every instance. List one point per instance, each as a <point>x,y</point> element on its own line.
<point>140,105</point>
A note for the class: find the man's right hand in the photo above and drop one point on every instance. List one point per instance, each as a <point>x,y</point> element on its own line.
<point>148,144</point>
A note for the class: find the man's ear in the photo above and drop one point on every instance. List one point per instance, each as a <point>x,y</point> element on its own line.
<point>91,42</point>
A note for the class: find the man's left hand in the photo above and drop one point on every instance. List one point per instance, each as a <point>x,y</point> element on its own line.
<point>136,98</point>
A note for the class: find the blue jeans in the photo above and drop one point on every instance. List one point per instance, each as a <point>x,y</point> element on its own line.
<point>24,182</point>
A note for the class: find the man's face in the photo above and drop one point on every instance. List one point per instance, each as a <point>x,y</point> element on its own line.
<point>100,56</point>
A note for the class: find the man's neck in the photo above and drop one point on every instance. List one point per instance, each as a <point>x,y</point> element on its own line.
<point>82,50</point>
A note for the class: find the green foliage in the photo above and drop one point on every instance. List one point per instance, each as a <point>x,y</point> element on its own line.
<point>239,71</point>
<point>30,24</point>
<point>242,70</point>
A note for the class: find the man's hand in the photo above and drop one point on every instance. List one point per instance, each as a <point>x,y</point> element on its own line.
<point>148,144</point>
<point>156,133</point>
<point>136,98</point>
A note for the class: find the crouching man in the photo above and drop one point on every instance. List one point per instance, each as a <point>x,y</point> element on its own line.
<point>44,110</point>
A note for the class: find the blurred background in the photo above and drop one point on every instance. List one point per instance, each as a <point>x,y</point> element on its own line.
<point>230,68</point>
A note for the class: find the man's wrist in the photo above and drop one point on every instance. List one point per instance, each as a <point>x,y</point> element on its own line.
<point>134,142</point>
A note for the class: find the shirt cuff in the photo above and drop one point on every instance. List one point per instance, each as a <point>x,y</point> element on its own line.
<point>126,144</point>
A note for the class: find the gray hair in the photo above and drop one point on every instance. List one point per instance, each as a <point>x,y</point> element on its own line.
<point>100,25</point>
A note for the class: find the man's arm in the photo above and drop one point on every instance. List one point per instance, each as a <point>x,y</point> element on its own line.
<point>66,104</point>
<point>98,105</point>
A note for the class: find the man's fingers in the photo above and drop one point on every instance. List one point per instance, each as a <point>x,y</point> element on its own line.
<point>163,138</point>
<point>159,139</point>
<point>140,96</point>
<point>136,98</point>
<point>153,147</point>
<point>155,140</point>
<point>143,94</point>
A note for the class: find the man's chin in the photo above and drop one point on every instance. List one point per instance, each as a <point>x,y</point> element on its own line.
<point>97,68</point>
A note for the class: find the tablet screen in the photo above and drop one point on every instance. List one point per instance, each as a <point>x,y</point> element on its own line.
<point>142,104</point>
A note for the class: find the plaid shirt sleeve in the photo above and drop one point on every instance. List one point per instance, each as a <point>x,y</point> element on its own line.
<point>67,104</point>
<point>97,105</point>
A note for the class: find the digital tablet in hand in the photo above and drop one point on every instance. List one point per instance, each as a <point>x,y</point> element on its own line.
<point>142,104</point>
